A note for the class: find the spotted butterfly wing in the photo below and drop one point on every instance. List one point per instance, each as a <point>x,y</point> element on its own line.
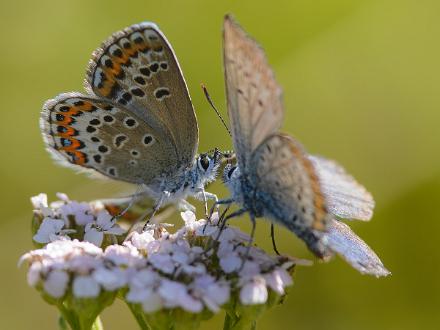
<point>97,134</point>
<point>287,187</point>
<point>253,95</point>
<point>137,68</point>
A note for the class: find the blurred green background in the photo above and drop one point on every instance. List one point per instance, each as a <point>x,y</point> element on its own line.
<point>361,85</point>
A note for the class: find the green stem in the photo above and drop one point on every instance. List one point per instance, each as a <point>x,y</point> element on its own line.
<point>71,320</point>
<point>97,325</point>
<point>138,314</point>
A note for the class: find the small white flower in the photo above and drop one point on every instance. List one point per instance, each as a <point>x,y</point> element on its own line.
<point>83,263</point>
<point>39,201</point>
<point>63,197</point>
<point>162,262</point>
<point>33,275</point>
<point>254,292</point>
<point>278,279</point>
<point>190,219</point>
<point>110,279</point>
<point>85,287</point>
<point>56,283</point>
<point>250,269</point>
<point>51,230</point>
<point>123,255</point>
<point>141,241</point>
<point>80,211</point>
<point>194,269</point>
<point>145,278</point>
<point>214,294</point>
<point>230,263</point>
<point>175,294</point>
<point>152,302</point>
<point>104,224</point>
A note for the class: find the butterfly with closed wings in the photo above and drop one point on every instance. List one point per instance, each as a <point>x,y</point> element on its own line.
<point>136,123</point>
<point>274,177</point>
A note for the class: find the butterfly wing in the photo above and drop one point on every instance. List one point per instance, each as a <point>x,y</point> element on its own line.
<point>287,185</point>
<point>253,96</point>
<point>289,188</point>
<point>137,68</point>
<point>345,197</point>
<point>91,133</point>
<point>342,240</point>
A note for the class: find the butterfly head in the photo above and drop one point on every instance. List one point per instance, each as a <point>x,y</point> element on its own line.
<point>230,172</point>
<point>207,165</point>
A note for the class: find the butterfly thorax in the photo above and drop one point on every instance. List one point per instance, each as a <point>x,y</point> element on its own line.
<point>187,180</point>
<point>243,191</point>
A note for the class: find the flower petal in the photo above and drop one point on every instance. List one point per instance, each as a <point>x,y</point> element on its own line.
<point>85,287</point>
<point>56,283</point>
<point>94,236</point>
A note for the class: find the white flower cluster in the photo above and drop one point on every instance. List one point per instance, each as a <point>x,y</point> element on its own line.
<point>197,268</point>
<point>66,218</point>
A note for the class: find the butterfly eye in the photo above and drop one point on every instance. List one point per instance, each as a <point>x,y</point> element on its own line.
<point>231,170</point>
<point>204,162</point>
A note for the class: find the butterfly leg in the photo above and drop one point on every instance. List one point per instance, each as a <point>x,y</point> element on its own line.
<point>130,200</point>
<point>272,235</point>
<point>227,201</point>
<point>229,216</point>
<point>204,196</point>
<point>159,203</point>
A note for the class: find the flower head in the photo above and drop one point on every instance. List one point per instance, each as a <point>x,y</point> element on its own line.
<point>199,268</point>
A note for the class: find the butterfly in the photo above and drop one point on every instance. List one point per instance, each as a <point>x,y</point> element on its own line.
<point>274,176</point>
<point>136,123</point>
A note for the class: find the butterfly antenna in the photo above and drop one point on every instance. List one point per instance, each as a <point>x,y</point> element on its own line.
<point>208,98</point>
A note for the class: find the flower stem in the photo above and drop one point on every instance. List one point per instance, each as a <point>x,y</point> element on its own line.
<point>97,325</point>
<point>138,314</point>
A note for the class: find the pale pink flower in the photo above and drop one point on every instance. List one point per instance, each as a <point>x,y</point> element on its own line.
<point>85,286</point>
<point>278,279</point>
<point>231,263</point>
<point>51,230</point>
<point>56,283</point>
<point>254,292</point>
<point>110,279</point>
<point>104,224</point>
<point>80,211</point>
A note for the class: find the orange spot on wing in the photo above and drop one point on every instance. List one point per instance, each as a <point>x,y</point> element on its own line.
<point>79,158</point>
<point>74,145</point>
<point>70,131</point>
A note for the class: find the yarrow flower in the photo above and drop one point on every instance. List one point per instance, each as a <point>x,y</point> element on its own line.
<point>187,275</point>
<point>67,219</point>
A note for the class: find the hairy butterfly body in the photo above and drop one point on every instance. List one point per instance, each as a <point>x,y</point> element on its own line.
<point>274,177</point>
<point>136,123</point>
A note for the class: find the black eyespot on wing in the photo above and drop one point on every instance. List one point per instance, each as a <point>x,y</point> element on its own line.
<point>138,92</point>
<point>108,119</point>
<point>162,92</point>
<point>145,71</point>
<point>148,139</point>
<point>119,139</point>
<point>97,158</point>
<point>90,129</point>
<point>154,67</point>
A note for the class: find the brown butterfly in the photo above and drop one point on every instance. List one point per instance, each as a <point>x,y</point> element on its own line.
<point>274,177</point>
